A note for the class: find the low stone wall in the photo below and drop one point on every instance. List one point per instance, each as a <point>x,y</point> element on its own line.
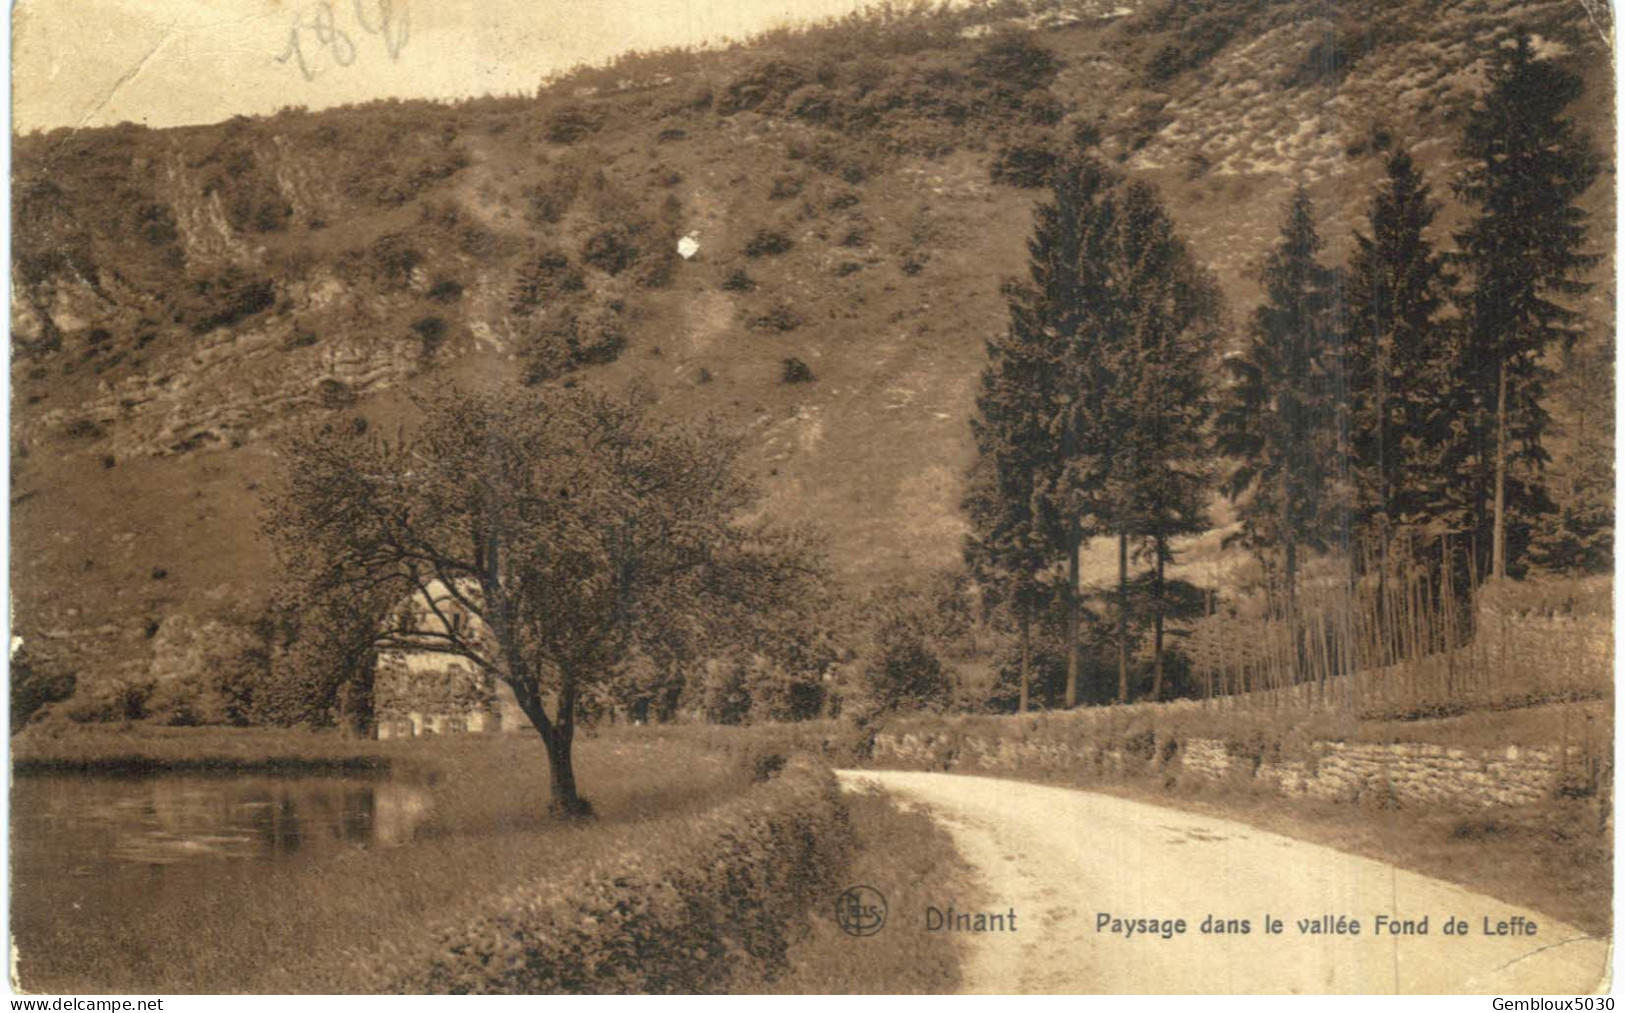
<point>1404,774</point>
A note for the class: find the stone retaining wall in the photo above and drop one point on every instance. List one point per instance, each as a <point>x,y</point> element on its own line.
<point>1405,774</point>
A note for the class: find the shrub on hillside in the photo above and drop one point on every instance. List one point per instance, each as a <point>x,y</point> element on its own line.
<point>768,243</point>
<point>446,290</point>
<point>1014,60</point>
<point>1041,106</point>
<point>119,699</point>
<point>570,123</point>
<point>546,279</point>
<point>226,299</point>
<point>814,104</point>
<point>549,201</point>
<point>615,247</point>
<point>187,702</point>
<point>83,429</point>
<point>1025,163</point>
<point>796,371</point>
<point>780,319</point>
<point>154,222</point>
<point>334,393</point>
<point>571,340</point>
<point>431,332</point>
<point>393,259</point>
<point>762,88</point>
<point>35,684</point>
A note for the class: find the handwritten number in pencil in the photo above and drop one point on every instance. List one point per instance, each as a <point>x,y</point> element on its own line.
<point>393,24</point>
<point>316,30</point>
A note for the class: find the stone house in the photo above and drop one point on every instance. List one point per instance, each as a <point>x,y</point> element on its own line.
<point>420,693</point>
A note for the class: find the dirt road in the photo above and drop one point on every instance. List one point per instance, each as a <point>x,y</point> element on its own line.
<point>1062,859</point>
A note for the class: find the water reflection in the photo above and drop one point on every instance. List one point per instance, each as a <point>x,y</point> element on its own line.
<point>90,826</point>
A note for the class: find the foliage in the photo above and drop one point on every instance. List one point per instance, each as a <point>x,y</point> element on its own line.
<point>431,332</point>
<point>570,339</point>
<point>768,243</point>
<point>1283,420</point>
<point>546,278</point>
<point>570,123</point>
<point>1401,373</point>
<point>796,371</point>
<point>537,536</point>
<point>1013,60</point>
<point>1026,162</point>
<point>904,672</point>
<point>35,684</point>
<point>227,298</point>
<point>1524,260</point>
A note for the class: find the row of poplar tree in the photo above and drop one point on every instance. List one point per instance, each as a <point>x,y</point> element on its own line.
<point>1403,392</point>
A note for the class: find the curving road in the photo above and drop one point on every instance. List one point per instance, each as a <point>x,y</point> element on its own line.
<point>1061,858</point>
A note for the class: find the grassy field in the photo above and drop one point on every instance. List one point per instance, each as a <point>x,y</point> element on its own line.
<point>274,927</point>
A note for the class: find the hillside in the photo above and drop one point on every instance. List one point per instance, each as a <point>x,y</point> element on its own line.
<point>183,295</point>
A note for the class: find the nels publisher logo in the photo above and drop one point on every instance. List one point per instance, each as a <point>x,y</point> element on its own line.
<point>861,911</point>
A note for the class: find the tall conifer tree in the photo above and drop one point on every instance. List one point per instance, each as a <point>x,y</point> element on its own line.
<point>1014,532</point>
<point>1523,253</point>
<point>1281,420</point>
<point>1400,371</point>
<point>1070,304</point>
<point>1165,387</point>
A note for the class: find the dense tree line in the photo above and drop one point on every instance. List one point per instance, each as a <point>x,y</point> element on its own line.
<point>1404,394</point>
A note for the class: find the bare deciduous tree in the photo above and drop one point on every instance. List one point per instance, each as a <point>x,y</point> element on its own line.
<point>539,535</point>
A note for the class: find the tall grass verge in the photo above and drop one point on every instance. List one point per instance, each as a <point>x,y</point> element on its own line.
<point>904,854</point>
<point>696,911</point>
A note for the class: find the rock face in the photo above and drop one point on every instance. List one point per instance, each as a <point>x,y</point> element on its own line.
<point>234,384</point>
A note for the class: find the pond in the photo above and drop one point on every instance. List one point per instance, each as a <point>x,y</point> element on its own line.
<point>113,831</point>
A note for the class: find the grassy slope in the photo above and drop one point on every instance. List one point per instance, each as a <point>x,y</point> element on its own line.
<point>873,450</point>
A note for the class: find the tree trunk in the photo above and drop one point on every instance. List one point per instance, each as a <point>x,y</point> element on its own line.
<point>1026,661</point>
<point>1122,618</point>
<point>1498,537</point>
<point>566,802</point>
<point>559,738</point>
<point>1157,613</point>
<point>1291,578</point>
<point>668,702</point>
<point>1074,630</point>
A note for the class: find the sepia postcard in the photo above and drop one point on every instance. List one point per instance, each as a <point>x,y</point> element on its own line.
<point>812,496</point>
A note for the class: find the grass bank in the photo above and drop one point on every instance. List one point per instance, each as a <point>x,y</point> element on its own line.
<point>911,860</point>
<point>288,927</point>
<point>711,909</point>
<point>141,749</point>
